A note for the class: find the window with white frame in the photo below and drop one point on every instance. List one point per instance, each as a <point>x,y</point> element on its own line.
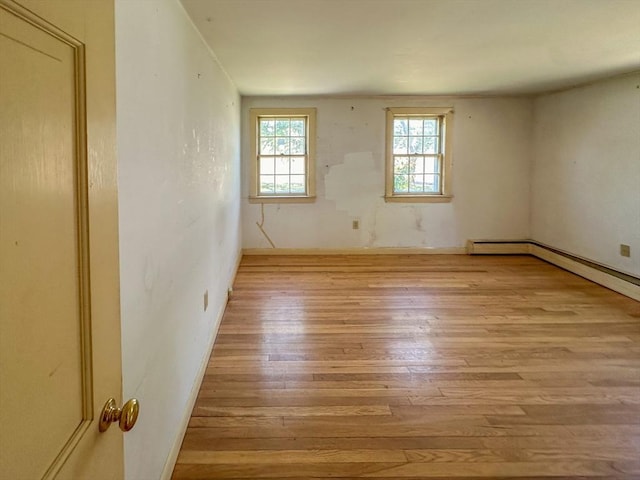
<point>283,148</point>
<point>418,154</point>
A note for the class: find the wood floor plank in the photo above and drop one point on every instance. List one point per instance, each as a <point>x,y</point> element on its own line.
<point>499,469</point>
<point>427,366</point>
<point>451,455</point>
<point>280,457</point>
<point>196,437</point>
<point>292,411</point>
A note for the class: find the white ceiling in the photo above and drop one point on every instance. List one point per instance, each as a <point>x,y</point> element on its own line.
<point>418,47</point>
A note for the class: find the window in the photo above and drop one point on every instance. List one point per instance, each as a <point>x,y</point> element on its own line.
<point>418,160</point>
<point>283,148</point>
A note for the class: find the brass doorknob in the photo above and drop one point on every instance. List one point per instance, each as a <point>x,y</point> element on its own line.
<point>125,416</point>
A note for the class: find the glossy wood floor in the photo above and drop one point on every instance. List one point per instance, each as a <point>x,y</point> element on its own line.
<point>418,367</point>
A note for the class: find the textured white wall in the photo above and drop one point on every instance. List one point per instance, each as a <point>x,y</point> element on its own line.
<point>178,148</point>
<point>586,171</point>
<point>491,154</point>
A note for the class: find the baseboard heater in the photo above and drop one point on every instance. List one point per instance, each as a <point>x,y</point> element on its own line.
<point>621,282</point>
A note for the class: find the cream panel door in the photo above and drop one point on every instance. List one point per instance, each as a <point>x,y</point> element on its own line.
<point>52,364</point>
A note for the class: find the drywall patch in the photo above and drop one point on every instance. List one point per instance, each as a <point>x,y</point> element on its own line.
<point>355,184</point>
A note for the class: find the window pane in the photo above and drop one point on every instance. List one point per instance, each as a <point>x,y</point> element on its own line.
<point>416,183</point>
<point>282,183</point>
<point>267,184</point>
<point>267,166</point>
<point>415,126</point>
<point>298,166</point>
<point>431,165</point>
<point>431,145</point>
<point>417,165</point>
<point>267,127</point>
<point>412,164</point>
<point>282,165</point>
<point>431,126</point>
<point>297,146</point>
<point>400,126</point>
<point>400,145</point>
<point>282,127</point>
<point>267,146</point>
<point>432,183</point>
<point>282,146</point>
<point>415,145</point>
<point>400,183</point>
<point>297,128</point>
<point>401,165</point>
<point>297,184</point>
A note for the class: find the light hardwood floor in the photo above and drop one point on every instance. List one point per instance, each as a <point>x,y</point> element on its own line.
<point>401,366</point>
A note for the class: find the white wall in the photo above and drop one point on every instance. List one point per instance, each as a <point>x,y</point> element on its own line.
<point>491,155</point>
<point>178,149</point>
<point>586,171</point>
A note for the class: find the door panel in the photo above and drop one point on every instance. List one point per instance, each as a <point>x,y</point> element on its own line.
<point>41,345</point>
<point>57,365</point>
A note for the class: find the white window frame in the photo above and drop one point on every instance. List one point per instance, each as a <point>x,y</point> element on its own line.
<point>446,157</point>
<point>255,114</point>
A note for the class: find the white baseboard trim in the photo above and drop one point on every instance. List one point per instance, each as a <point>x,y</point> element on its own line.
<point>501,247</point>
<point>356,251</point>
<point>169,465</point>
<point>599,274</point>
<point>590,273</point>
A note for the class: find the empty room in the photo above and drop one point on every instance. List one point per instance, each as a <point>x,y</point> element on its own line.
<point>302,239</point>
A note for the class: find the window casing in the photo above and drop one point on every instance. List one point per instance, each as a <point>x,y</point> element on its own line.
<point>418,154</point>
<point>282,155</point>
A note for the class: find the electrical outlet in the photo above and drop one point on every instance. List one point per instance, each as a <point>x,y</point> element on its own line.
<point>625,250</point>
<point>206,300</point>
<point>355,224</point>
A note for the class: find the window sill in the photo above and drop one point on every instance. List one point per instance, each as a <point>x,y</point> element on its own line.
<point>281,199</point>
<point>418,198</point>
